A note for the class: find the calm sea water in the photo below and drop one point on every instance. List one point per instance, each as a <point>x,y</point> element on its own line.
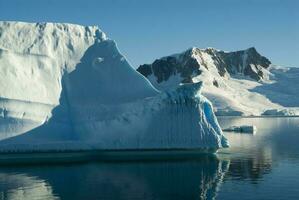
<point>260,166</point>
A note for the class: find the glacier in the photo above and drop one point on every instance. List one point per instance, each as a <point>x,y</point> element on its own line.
<point>67,87</point>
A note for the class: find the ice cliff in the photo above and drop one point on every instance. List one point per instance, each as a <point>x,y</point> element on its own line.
<point>67,87</point>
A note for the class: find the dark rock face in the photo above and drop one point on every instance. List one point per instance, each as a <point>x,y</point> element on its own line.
<point>247,62</point>
<point>215,83</point>
<point>165,67</point>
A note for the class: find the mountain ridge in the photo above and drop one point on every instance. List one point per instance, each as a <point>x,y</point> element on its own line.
<point>240,82</point>
<point>227,63</point>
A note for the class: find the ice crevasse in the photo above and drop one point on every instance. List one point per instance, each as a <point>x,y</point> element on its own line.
<point>67,87</point>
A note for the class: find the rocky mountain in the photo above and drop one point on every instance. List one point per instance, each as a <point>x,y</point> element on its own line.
<point>233,81</point>
<point>247,62</point>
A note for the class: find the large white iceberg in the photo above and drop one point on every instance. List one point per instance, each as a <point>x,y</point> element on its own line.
<point>67,87</point>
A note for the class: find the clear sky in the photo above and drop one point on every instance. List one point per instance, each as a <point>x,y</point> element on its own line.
<point>149,29</point>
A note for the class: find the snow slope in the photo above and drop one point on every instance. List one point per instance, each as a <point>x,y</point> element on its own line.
<point>237,83</point>
<point>67,87</point>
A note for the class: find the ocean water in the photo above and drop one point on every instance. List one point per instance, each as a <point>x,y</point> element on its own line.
<point>260,166</point>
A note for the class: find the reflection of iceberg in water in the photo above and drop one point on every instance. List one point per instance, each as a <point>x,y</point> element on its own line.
<point>188,179</point>
<point>22,186</point>
<point>251,156</point>
<point>251,167</point>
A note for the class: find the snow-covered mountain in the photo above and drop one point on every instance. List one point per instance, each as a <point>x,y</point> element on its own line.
<point>237,83</point>
<point>66,86</point>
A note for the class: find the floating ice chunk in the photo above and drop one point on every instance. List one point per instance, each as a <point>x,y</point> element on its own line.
<point>242,129</point>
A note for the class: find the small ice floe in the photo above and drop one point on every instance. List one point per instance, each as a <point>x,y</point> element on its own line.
<point>242,129</point>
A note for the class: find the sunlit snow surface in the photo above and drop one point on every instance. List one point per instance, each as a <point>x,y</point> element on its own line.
<point>232,94</point>
<point>67,87</point>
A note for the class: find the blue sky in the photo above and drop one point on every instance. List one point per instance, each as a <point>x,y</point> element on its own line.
<point>145,30</point>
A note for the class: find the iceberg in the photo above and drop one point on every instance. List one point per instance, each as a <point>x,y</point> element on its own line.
<point>67,87</point>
